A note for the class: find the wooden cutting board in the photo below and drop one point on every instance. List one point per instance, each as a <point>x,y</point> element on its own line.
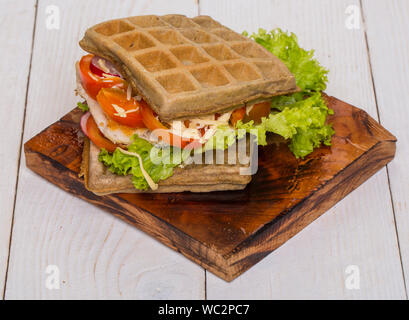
<point>228,232</point>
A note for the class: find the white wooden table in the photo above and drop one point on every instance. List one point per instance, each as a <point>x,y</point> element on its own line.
<point>357,250</point>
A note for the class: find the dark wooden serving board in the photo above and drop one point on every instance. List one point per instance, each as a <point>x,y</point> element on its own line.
<point>228,232</point>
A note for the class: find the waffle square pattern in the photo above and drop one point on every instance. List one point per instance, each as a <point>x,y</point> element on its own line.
<point>188,67</point>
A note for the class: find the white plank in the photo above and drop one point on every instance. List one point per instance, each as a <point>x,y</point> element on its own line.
<point>388,26</point>
<point>359,230</point>
<point>98,256</point>
<point>16,32</point>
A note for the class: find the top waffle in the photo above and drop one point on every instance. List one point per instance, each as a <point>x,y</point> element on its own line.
<point>189,67</point>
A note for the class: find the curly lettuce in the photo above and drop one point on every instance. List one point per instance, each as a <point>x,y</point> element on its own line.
<point>83,106</point>
<point>157,162</point>
<point>303,123</point>
<point>309,74</point>
<point>300,117</point>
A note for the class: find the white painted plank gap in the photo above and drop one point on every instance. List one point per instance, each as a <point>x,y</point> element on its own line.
<point>359,231</point>
<point>387,30</point>
<point>98,256</point>
<point>16,32</point>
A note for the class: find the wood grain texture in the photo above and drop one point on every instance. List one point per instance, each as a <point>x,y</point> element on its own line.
<point>228,232</point>
<point>341,237</point>
<point>16,32</point>
<point>98,255</point>
<point>387,23</point>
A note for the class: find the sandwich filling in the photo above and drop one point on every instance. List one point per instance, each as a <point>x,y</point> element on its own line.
<point>126,128</point>
<point>119,115</point>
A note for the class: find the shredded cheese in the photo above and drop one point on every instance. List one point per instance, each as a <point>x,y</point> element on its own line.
<point>248,109</point>
<point>179,129</point>
<point>193,130</point>
<point>120,112</point>
<point>109,76</point>
<point>129,93</point>
<point>210,120</point>
<point>152,184</point>
<point>92,76</point>
<point>208,134</point>
<point>103,66</point>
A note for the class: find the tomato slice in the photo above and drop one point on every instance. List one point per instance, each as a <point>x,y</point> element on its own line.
<point>116,105</point>
<point>96,136</point>
<point>258,111</point>
<point>91,82</point>
<point>162,132</point>
<point>237,115</point>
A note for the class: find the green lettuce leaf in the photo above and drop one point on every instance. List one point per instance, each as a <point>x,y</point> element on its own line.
<point>303,123</point>
<point>157,162</point>
<point>300,117</point>
<point>304,142</point>
<point>83,106</point>
<point>309,74</point>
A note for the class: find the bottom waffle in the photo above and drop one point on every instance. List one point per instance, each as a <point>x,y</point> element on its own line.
<point>192,178</point>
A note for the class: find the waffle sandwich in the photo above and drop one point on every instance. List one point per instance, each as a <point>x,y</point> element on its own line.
<point>156,84</point>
